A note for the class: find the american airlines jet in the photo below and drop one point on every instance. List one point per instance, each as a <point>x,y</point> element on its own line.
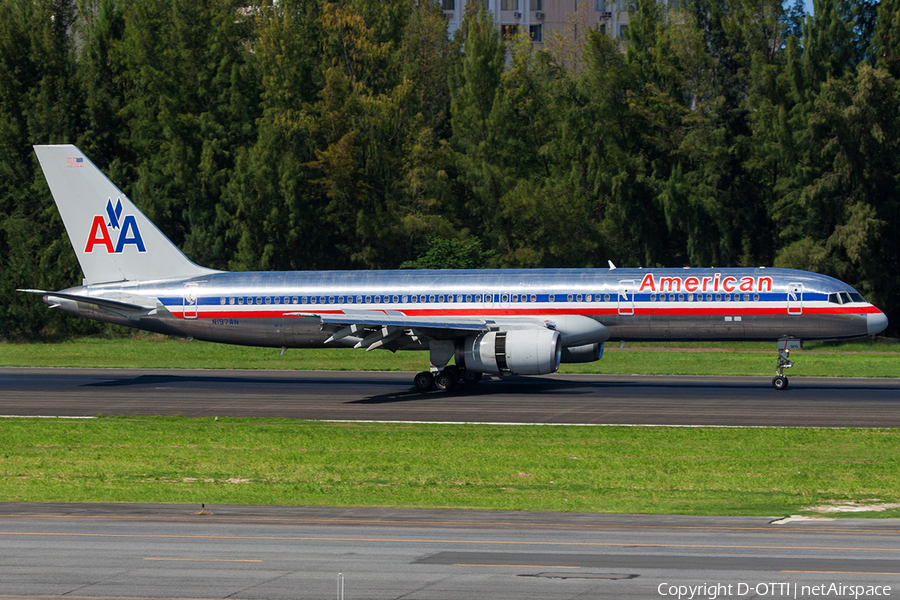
<point>498,322</point>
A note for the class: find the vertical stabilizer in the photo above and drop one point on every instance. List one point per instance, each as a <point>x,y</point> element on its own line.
<point>113,240</point>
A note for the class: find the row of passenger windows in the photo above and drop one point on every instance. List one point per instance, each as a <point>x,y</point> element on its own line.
<point>709,297</point>
<point>502,298</point>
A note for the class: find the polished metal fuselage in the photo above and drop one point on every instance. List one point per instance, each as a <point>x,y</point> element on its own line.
<point>278,309</point>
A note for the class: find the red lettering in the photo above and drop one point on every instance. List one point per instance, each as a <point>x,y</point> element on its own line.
<point>706,281</point>
<point>765,284</point>
<point>672,283</point>
<point>746,284</point>
<point>648,282</point>
<point>99,235</point>
<point>728,284</point>
<point>716,282</point>
<point>691,284</point>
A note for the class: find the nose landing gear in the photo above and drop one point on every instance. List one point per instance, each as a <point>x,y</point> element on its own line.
<point>785,345</point>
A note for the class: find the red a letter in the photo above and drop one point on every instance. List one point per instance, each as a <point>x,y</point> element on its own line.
<point>99,235</point>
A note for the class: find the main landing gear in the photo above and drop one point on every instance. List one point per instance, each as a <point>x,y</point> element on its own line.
<point>442,375</point>
<point>445,379</point>
<point>785,345</point>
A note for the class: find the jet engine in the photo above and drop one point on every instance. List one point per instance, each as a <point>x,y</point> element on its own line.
<point>583,354</point>
<point>518,352</point>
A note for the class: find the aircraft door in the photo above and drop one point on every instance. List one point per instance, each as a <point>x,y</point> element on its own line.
<point>795,299</point>
<point>626,297</point>
<point>190,300</point>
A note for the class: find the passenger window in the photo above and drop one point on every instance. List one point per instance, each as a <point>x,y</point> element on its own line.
<point>681,297</point>
<point>652,297</point>
<point>589,298</point>
<point>340,299</point>
<point>405,299</point>
<point>231,301</point>
<point>746,297</point>
<point>606,297</point>
<point>691,298</point>
<point>718,297</point>
<point>240,300</point>
<point>534,297</point>
<point>551,298</point>
<point>258,300</point>
<point>277,299</point>
<point>478,298</point>
<point>303,299</point>
<point>727,297</point>
<point>756,297</point>
<point>468,297</point>
<point>578,298</point>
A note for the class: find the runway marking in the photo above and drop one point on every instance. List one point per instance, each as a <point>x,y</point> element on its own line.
<point>845,572</point>
<point>472,523</point>
<point>517,566</point>
<point>247,560</point>
<point>437,541</point>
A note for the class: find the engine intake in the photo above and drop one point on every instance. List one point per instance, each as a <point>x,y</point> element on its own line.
<point>517,352</point>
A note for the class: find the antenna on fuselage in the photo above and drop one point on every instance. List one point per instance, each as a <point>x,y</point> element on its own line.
<point>611,265</point>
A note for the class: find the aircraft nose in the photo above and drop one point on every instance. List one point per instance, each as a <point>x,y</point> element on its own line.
<point>876,322</point>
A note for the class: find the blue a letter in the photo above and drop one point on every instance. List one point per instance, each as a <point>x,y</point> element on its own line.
<point>129,225</point>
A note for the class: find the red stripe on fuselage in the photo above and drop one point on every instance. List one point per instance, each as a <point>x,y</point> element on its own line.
<point>538,312</point>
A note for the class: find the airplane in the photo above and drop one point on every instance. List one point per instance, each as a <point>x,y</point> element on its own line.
<point>489,321</point>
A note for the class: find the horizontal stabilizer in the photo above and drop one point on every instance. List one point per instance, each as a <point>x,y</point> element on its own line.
<point>145,303</point>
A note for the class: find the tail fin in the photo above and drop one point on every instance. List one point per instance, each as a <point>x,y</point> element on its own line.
<point>113,240</point>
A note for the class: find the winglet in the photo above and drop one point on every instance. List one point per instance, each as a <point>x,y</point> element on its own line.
<point>113,240</point>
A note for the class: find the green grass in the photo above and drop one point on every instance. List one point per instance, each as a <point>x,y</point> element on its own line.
<point>860,359</point>
<point>660,470</point>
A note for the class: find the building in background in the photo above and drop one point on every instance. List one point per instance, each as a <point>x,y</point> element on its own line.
<point>541,17</point>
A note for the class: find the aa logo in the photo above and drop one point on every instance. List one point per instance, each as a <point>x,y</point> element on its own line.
<point>126,229</point>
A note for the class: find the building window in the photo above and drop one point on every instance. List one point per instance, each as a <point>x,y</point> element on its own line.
<point>509,31</point>
<point>536,32</point>
<point>623,31</point>
<point>537,4</point>
<point>600,5</point>
<point>509,4</point>
<point>448,4</point>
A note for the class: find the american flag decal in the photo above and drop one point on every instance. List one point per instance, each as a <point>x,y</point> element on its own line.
<point>74,162</point>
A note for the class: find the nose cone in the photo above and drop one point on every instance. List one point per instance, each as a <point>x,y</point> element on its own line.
<point>876,322</point>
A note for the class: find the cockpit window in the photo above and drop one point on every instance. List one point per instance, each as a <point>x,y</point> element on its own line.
<point>834,298</point>
<point>857,297</point>
<point>845,298</point>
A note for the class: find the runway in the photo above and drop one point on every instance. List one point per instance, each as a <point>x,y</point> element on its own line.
<point>170,551</point>
<point>561,399</point>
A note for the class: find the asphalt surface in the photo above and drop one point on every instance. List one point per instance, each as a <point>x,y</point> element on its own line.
<point>576,399</point>
<point>171,551</point>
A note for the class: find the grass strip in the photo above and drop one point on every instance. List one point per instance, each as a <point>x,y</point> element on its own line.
<point>658,470</point>
<point>147,351</point>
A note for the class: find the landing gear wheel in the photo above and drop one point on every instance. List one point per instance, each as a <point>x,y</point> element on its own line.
<point>780,382</point>
<point>471,376</point>
<point>446,379</point>
<point>423,381</point>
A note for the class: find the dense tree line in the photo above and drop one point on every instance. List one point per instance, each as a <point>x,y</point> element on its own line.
<point>355,134</point>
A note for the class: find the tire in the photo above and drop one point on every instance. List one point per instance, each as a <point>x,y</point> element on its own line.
<point>780,383</point>
<point>423,381</point>
<point>471,376</point>
<point>446,380</point>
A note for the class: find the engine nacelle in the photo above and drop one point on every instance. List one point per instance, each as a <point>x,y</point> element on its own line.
<point>582,354</point>
<point>517,352</point>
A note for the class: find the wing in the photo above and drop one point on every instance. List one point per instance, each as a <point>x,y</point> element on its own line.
<point>393,330</point>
